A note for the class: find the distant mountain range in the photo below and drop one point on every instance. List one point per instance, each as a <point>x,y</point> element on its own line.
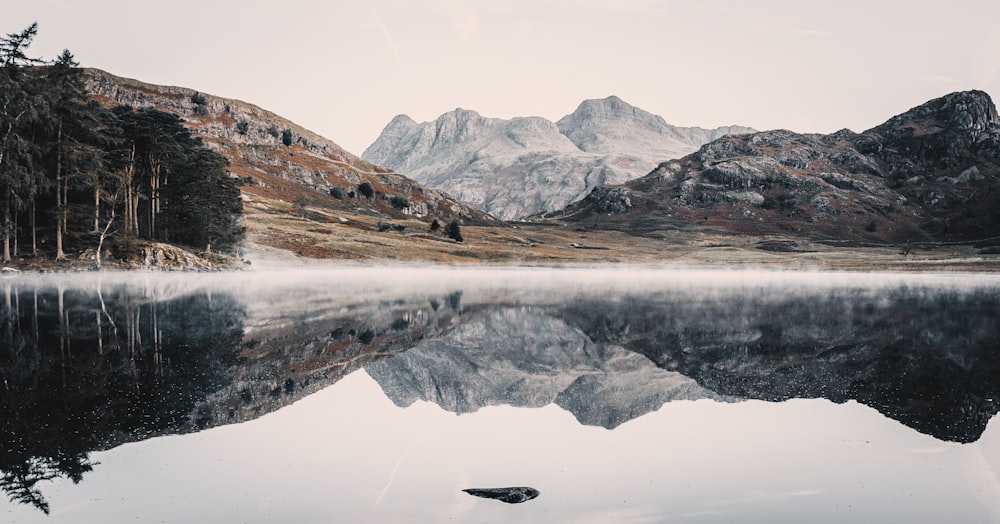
<point>929,174</point>
<point>527,165</point>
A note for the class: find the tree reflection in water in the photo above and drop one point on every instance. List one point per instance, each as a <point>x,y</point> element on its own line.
<point>88,369</point>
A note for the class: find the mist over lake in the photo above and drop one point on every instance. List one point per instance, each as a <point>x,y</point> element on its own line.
<point>635,394</point>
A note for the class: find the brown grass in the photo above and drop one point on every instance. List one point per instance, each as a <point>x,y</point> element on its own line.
<point>552,244</point>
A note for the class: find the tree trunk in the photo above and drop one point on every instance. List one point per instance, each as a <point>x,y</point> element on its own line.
<point>6,227</point>
<point>155,182</point>
<point>152,205</point>
<point>126,191</point>
<point>65,209</point>
<point>100,241</point>
<point>34,227</point>
<point>97,207</point>
<point>60,215</point>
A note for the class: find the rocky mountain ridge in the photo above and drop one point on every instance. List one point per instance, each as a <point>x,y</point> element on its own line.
<point>929,174</point>
<point>525,165</point>
<point>611,126</point>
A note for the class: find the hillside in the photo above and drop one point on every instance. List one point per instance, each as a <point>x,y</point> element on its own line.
<point>931,174</point>
<point>294,177</point>
<point>526,165</point>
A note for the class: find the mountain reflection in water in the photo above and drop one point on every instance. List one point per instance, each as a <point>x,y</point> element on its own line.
<point>87,367</point>
<point>928,358</point>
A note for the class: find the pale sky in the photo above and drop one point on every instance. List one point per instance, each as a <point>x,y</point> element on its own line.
<point>344,68</point>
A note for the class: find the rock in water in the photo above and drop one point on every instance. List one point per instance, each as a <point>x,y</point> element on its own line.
<point>509,495</point>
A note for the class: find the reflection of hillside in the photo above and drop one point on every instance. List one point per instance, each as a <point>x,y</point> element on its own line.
<point>296,346</point>
<point>927,359</point>
<point>519,356</point>
<point>86,369</point>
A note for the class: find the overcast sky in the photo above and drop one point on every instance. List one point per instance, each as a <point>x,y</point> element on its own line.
<point>344,68</point>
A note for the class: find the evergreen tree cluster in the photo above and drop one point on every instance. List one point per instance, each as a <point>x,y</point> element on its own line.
<point>74,174</point>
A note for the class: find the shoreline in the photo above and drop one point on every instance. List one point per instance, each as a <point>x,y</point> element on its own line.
<point>726,258</point>
<point>279,248</point>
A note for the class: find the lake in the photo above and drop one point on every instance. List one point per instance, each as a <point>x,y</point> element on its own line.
<point>624,394</point>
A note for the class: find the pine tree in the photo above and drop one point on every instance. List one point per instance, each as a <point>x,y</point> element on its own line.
<point>19,105</point>
<point>203,206</point>
<point>155,140</point>
<point>76,122</point>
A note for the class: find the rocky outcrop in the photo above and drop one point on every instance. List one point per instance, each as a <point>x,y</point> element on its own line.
<point>929,174</point>
<point>518,167</point>
<point>171,258</point>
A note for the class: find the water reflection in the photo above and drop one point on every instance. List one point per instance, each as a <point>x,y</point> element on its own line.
<point>88,364</point>
<point>525,356</point>
<point>927,357</point>
<point>88,369</point>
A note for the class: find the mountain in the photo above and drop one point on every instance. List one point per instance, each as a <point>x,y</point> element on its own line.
<point>526,165</point>
<point>929,174</point>
<point>613,127</point>
<point>293,174</point>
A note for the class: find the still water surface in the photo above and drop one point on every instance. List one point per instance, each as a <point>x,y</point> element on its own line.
<point>377,395</point>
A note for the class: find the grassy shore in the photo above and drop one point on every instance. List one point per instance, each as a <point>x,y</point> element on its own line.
<point>357,238</point>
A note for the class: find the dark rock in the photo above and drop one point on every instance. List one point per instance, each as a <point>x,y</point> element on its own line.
<point>514,495</point>
<point>614,200</point>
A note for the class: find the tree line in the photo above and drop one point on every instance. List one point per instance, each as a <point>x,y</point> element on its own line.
<point>75,175</point>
